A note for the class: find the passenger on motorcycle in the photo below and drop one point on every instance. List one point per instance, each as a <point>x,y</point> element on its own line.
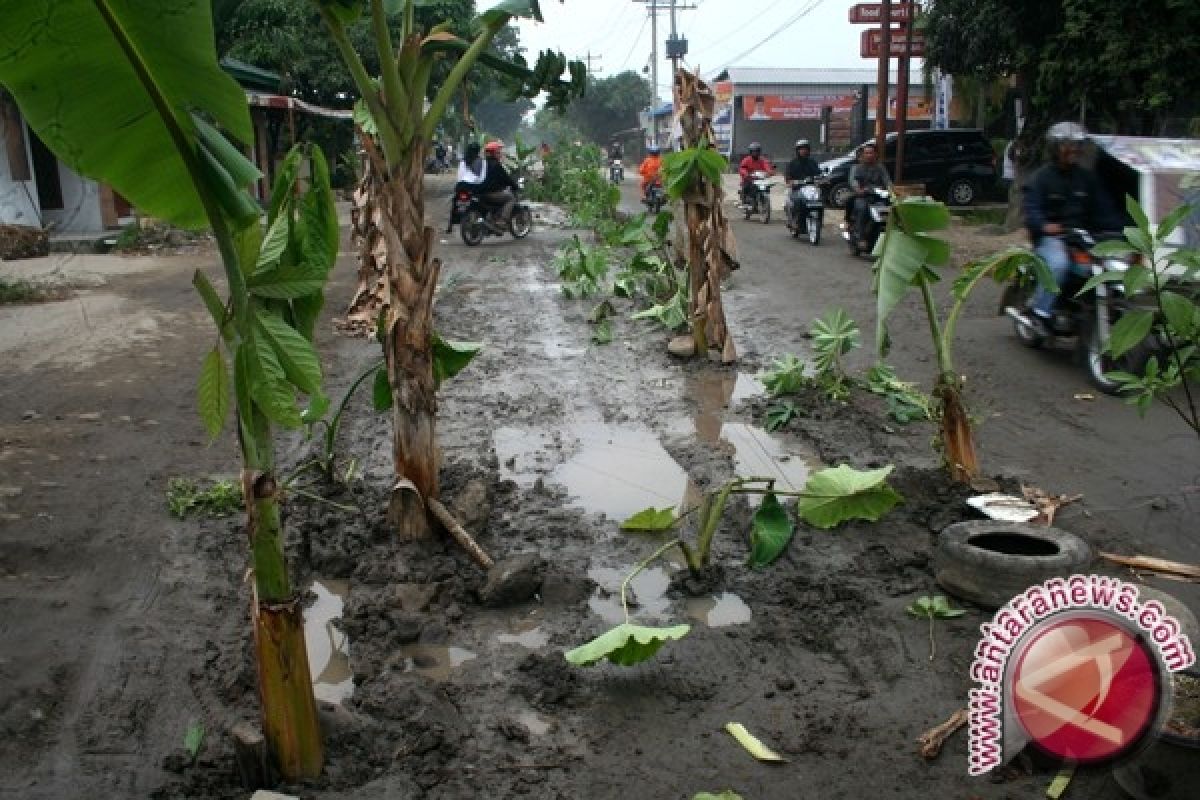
<point>754,162</point>
<point>801,167</point>
<point>649,169</point>
<point>867,174</point>
<point>471,171</point>
<point>1060,197</point>
<point>497,183</point>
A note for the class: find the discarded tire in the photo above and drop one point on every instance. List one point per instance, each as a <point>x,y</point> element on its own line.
<point>988,562</point>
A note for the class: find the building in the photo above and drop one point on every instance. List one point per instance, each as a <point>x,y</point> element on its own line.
<point>777,106</point>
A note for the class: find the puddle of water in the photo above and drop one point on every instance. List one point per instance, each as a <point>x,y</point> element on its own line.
<point>649,587</point>
<point>533,639</point>
<point>759,454</point>
<point>434,660</point>
<point>533,723</point>
<point>328,647</point>
<point>720,610</point>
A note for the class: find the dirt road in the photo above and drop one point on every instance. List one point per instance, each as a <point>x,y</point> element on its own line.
<point>120,626</point>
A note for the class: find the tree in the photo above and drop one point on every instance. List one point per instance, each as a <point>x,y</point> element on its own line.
<point>403,126</point>
<point>124,92</point>
<point>610,105</point>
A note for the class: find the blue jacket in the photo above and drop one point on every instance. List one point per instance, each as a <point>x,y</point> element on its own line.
<point>1072,197</point>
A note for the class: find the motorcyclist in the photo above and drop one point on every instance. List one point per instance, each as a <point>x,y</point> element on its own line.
<point>753,162</point>
<point>615,151</point>
<point>867,174</point>
<point>650,168</point>
<point>471,171</point>
<point>1060,197</point>
<point>498,188</point>
<point>799,169</point>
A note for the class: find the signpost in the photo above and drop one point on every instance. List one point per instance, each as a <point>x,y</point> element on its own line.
<point>871,13</point>
<point>883,43</point>
<point>870,40</point>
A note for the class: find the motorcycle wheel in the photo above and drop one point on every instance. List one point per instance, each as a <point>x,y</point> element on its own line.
<point>765,202</point>
<point>1098,362</point>
<point>749,209</point>
<point>521,222</point>
<point>472,228</point>
<point>814,228</point>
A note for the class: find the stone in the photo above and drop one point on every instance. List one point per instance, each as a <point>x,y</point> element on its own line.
<point>513,580</point>
<point>472,506</point>
<point>682,347</point>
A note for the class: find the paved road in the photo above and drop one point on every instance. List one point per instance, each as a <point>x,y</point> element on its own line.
<point>1040,418</point>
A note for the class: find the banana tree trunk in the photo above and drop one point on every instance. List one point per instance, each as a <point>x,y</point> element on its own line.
<point>711,250</point>
<point>289,711</point>
<point>957,439</point>
<point>366,231</point>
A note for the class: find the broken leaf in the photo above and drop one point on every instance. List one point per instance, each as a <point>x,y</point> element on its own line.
<point>650,520</point>
<point>753,746</point>
<point>772,529</point>
<point>626,644</point>
<point>832,496</point>
<point>193,739</point>
<point>451,357</point>
<point>728,794</point>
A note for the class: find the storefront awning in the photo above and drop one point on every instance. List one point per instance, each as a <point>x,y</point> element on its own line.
<point>285,103</point>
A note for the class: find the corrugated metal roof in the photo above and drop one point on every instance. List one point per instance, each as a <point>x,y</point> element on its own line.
<point>801,75</point>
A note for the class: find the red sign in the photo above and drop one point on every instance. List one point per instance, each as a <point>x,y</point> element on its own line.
<point>870,40</point>
<point>871,13</point>
<point>783,107</point>
<point>1085,689</point>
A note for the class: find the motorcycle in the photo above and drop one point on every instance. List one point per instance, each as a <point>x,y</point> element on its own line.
<point>805,195</point>
<point>1088,317</point>
<point>879,203</point>
<point>616,172</point>
<point>479,219</point>
<point>757,198</point>
<point>655,197</point>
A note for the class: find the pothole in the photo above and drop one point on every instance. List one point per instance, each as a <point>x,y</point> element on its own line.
<point>328,647</point>
<point>433,660</point>
<point>649,593</point>
<point>533,638</point>
<point>718,611</point>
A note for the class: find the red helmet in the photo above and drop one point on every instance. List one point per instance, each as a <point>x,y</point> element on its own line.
<point>493,147</point>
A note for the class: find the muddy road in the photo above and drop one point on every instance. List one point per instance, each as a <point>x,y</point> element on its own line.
<point>120,626</point>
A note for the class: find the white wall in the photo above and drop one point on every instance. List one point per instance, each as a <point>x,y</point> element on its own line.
<point>16,206</point>
<point>81,204</point>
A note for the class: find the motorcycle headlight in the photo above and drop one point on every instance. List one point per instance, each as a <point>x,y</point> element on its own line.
<point>810,193</point>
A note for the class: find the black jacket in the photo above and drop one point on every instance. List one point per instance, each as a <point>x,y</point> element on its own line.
<point>497,178</point>
<point>802,167</point>
<point>1072,197</point>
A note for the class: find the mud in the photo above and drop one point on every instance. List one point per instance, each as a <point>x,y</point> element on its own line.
<point>122,626</point>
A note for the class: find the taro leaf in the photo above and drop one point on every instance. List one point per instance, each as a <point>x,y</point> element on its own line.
<point>771,530</point>
<point>752,744</point>
<point>451,357</point>
<point>193,740</point>
<point>651,520</point>
<point>832,496</point>
<point>942,609</point>
<point>213,393</point>
<point>381,391</point>
<point>1129,331</point>
<point>936,607</point>
<point>728,794</point>
<point>626,644</point>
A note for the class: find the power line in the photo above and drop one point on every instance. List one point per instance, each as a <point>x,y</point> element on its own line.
<point>637,37</point>
<point>787,24</point>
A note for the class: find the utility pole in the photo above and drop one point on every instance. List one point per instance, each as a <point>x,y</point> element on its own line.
<point>676,45</point>
<point>589,58</point>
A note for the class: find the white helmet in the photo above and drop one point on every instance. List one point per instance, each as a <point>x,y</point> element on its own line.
<point>803,143</point>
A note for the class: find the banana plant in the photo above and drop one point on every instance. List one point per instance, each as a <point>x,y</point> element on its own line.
<point>131,94</point>
<point>906,257</point>
<point>403,117</point>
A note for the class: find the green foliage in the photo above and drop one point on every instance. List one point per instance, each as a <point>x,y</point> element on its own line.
<point>833,336</point>
<point>780,414</point>
<point>905,402</point>
<point>608,105</point>
<point>651,520</point>
<point>685,170</point>
<point>220,498</point>
<point>451,357</point>
<point>1165,274</point>
<point>572,178</point>
<point>625,645</point>
<point>931,608</point>
<point>137,79</point>
<point>728,794</point>
<point>770,531</point>
<point>582,268</point>
<point>833,496</point>
<point>15,292</point>
<point>785,376</point>
<point>193,740</point>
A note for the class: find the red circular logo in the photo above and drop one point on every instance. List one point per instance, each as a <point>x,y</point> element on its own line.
<point>1085,689</point>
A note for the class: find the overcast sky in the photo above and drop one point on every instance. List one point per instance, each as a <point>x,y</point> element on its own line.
<point>802,33</point>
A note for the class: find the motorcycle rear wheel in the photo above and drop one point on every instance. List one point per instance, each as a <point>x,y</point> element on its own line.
<point>520,223</point>
<point>1098,363</point>
<point>472,228</point>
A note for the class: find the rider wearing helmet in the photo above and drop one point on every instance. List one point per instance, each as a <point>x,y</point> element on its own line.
<point>615,151</point>
<point>1062,196</point>
<point>649,168</point>
<point>799,169</point>
<point>753,162</point>
<point>497,183</point>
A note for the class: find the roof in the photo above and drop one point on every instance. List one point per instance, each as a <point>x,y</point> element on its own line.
<point>263,100</point>
<point>250,76</point>
<point>663,110</point>
<point>1150,154</point>
<point>803,75</point>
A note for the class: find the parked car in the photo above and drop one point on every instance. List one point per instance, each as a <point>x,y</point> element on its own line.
<point>956,165</point>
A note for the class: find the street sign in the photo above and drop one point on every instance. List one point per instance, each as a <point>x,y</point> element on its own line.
<point>870,40</point>
<point>871,13</point>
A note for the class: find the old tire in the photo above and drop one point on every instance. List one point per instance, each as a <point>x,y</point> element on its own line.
<point>988,562</point>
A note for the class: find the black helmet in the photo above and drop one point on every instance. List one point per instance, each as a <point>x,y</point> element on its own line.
<point>652,149</point>
<point>755,147</point>
<point>802,143</point>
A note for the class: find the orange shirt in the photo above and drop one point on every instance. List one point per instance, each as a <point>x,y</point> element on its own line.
<point>649,169</point>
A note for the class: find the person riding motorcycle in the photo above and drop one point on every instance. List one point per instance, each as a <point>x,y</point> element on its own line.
<point>1060,197</point>
<point>800,168</point>
<point>471,171</point>
<point>495,187</point>
<point>867,174</point>
<point>755,161</point>
<point>615,151</point>
<point>649,169</point>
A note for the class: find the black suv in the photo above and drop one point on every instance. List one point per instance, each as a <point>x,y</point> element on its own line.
<point>956,165</point>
